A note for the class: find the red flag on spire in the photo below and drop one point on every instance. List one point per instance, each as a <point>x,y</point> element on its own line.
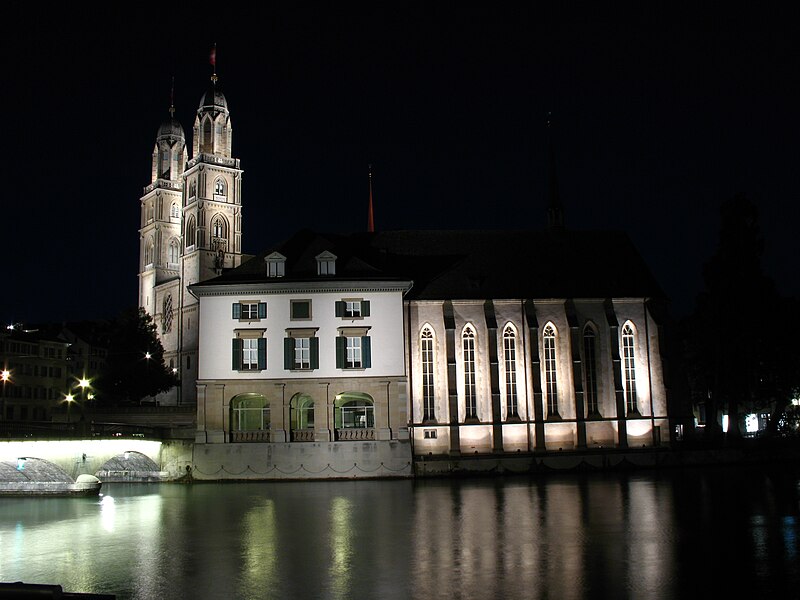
<point>370,216</point>
<point>212,58</point>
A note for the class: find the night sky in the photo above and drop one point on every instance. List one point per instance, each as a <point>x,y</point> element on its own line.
<point>657,120</point>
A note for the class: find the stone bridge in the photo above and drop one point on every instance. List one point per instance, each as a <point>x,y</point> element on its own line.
<point>112,459</point>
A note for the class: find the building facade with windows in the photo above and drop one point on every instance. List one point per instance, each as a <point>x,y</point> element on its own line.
<point>459,342</point>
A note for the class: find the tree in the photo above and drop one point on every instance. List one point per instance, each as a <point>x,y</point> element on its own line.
<point>135,365</point>
<point>738,339</point>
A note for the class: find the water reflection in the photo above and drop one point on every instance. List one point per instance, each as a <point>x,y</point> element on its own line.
<point>670,535</point>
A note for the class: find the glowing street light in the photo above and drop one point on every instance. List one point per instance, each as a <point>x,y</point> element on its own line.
<point>5,376</point>
<point>69,399</point>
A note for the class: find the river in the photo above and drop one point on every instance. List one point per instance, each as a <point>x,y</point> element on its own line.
<point>669,534</point>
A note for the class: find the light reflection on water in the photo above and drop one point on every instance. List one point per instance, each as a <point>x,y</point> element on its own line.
<point>668,535</point>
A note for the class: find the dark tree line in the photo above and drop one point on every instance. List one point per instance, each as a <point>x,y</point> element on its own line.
<point>740,343</point>
<point>135,363</point>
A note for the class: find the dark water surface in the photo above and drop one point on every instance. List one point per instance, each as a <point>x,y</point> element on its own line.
<point>673,534</point>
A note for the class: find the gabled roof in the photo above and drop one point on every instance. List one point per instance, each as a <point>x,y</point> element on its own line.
<point>469,264</point>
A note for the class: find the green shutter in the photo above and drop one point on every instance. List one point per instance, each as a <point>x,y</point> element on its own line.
<point>341,345</point>
<point>366,352</point>
<point>262,353</point>
<point>288,353</point>
<point>236,353</point>
<point>237,310</point>
<point>313,344</point>
<point>339,308</point>
<point>365,308</point>
<point>262,310</point>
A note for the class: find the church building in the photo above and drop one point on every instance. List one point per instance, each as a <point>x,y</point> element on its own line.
<point>361,355</point>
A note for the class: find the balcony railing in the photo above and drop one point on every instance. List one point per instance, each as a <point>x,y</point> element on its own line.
<point>302,435</point>
<point>262,435</point>
<point>355,434</point>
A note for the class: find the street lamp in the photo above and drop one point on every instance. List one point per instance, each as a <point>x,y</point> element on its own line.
<point>69,399</point>
<point>5,375</point>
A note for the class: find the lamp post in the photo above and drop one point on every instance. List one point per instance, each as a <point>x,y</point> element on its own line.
<point>5,375</point>
<point>69,399</point>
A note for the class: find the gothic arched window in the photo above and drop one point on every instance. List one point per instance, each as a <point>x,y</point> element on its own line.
<point>190,233</point>
<point>550,365</point>
<point>629,365</point>
<point>149,251</point>
<point>218,227</point>
<point>173,252</point>
<point>470,395</point>
<point>219,187</point>
<point>590,370</point>
<point>175,211</point>
<point>510,363</point>
<point>426,342</point>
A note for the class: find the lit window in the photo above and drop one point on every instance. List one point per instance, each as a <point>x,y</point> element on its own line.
<point>510,362</point>
<point>353,349</point>
<point>352,308</point>
<point>249,311</point>
<point>300,350</point>
<point>590,370</point>
<point>550,377</point>
<point>470,398</point>
<point>302,353</point>
<point>628,355</point>
<point>250,412</point>
<point>428,390</point>
<point>250,352</point>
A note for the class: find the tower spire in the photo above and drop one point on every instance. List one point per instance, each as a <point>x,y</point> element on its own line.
<point>212,58</point>
<point>555,211</point>
<point>370,214</point>
<point>172,99</point>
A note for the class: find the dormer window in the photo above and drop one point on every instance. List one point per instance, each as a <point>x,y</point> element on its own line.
<point>326,263</point>
<point>276,264</point>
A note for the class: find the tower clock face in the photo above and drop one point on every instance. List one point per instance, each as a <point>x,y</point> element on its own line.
<point>166,314</point>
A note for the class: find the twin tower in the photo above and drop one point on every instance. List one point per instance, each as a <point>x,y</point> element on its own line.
<point>191,228</point>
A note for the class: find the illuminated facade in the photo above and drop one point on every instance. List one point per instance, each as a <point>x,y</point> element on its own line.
<point>191,229</point>
<point>456,340</point>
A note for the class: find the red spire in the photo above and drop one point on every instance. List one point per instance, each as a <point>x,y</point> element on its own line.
<point>370,215</point>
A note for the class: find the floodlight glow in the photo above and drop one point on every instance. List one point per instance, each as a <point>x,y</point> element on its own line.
<point>5,375</point>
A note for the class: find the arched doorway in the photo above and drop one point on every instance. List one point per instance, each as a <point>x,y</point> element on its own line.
<point>302,418</point>
<point>250,418</point>
<point>354,416</point>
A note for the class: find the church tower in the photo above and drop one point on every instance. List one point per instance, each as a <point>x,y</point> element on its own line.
<point>212,215</point>
<point>191,229</point>
<point>160,230</point>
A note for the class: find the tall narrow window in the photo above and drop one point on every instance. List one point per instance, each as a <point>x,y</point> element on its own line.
<point>173,252</point>
<point>219,187</point>
<point>510,362</point>
<point>426,350</point>
<point>218,228</point>
<point>470,400</point>
<point>190,233</point>
<point>590,370</point>
<point>175,211</point>
<point>550,377</point>
<point>149,252</point>
<point>630,368</point>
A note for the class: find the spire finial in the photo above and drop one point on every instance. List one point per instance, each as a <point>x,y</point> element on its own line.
<point>370,214</point>
<point>212,58</point>
<point>172,99</point>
